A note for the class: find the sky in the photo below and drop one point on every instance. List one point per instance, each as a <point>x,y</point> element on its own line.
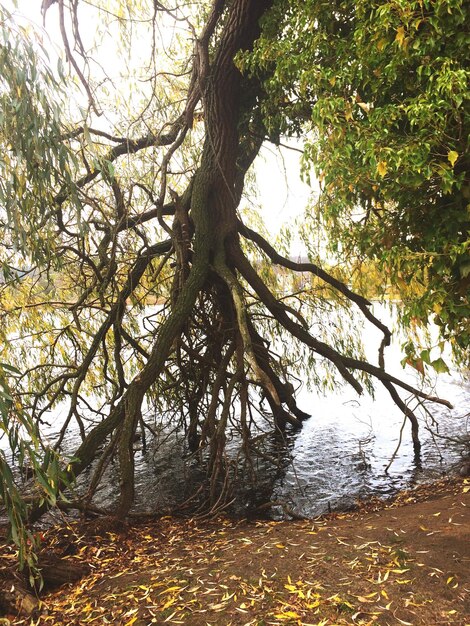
<point>282,192</point>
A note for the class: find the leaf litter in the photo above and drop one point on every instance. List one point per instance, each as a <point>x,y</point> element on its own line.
<point>400,562</point>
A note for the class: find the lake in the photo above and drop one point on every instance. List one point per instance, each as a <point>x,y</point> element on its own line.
<point>341,454</point>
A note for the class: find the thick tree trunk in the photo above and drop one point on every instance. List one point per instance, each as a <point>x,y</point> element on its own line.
<point>214,198</point>
<point>17,598</point>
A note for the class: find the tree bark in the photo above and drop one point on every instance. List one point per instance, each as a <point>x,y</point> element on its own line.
<point>17,597</point>
<point>214,199</point>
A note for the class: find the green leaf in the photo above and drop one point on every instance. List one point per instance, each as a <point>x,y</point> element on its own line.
<point>9,368</point>
<point>440,366</point>
<point>425,356</point>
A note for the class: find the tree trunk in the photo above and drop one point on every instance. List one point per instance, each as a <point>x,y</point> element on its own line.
<point>17,597</point>
<point>215,195</point>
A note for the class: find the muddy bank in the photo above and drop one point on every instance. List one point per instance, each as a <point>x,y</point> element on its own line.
<point>401,562</point>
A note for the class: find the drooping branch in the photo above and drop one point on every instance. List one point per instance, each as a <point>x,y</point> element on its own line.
<point>260,374</point>
<point>116,311</point>
<point>381,375</point>
<point>343,363</point>
<point>408,413</point>
<point>128,147</point>
<point>314,269</point>
<point>279,312</point>
<point>71,58</point>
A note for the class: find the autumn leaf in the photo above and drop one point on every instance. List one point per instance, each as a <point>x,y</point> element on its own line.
<point>287,615</point>
<point>452,157</point>
<point>381,44</point>
<point>400,36</point>
<point>382,168</point>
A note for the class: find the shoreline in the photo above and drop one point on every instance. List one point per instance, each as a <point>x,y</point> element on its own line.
<point>404,561</point>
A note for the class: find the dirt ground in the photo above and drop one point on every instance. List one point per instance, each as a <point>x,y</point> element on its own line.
<point>401,562</point>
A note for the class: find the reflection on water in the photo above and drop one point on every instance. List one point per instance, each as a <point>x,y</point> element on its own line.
<point>340,455</point>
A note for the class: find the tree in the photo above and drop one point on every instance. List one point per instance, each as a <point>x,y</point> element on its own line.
<point>382,88</point>
<point>130,271</point>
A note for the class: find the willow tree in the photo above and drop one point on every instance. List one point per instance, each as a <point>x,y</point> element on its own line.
<point>132,273</point>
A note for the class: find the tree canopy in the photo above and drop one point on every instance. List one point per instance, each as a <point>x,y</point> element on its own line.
<point>382,90</point>
<point>135,289</point>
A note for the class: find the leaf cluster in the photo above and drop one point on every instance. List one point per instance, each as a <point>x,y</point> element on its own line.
<point>34,161</point>
<point>380,93</point>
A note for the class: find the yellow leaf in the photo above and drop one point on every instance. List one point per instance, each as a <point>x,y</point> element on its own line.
<point>167,605</point>
<point>281,546</point>
<point>400,36</point>
<point>381,44</point>
<point>170,589</point>
<point>382,168</point>
<point>312,605</point>
<point>452,157</point>
<point>287,615</point>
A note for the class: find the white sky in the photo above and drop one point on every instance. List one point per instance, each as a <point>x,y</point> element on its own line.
<point>283,195</point>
